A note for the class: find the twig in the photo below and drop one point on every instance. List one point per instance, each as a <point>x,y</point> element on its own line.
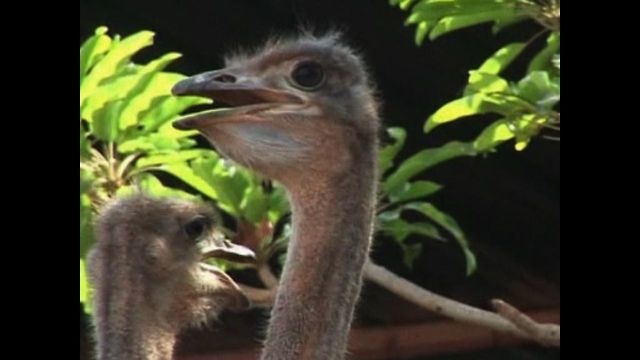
<point>547,334</point>
<point>509,320</point>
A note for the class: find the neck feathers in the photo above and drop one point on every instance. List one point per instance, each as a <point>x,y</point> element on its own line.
<point>320,285</point>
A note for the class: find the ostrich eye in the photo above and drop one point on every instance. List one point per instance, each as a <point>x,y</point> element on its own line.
<point>196,227</point>
<point>308,75</point>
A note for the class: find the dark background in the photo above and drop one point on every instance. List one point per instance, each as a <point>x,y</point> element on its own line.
<point>507,203</point>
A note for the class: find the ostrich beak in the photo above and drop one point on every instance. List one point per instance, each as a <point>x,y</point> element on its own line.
<point>225,249</point>
<point>246,95</point>
<point>228,288</point>
<point>225,286</point>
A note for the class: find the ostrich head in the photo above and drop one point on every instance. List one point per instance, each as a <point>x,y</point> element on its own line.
<point>150,259</point>
<point>298,102</point>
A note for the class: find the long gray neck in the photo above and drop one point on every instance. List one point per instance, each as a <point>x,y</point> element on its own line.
<point>322,277</point>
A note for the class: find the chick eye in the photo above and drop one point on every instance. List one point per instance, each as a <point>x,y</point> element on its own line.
<point>196,227</point>
<point>308,75</point>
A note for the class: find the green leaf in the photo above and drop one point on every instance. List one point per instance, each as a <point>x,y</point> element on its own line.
<point>163,109</point>
<point>389,152</point>
<point>523,127</point>
<point>452,23</point>
<point>92,49</point>
<point>538,88</point>
<point>424,160</point>
<point>400,229</point>
<point>501,24</point>
<point>152,185</point>
<point>542,60</point>
<point>278,204</point>
<point>105,121</point>
<point>186,174</point>
<point>448,223</point>
<point>435,10</point>
<point>149,86</point>
<point>114,90</point>
<point>414,190</point>
<point>118,55</point>
<point>152,143</point>
<point>493,135</point>
<point>421,32</point>
<point>84,287</point>
<point>404,4</point>
<point>485,83</point>
<point>469,105</point>
<point>501,59</point>
<point>255,205</point>
<point>172,157</point>
<point>229,181</point>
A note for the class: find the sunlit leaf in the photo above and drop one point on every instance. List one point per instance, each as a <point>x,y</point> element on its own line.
<point>149,184</point>
<point>485,83</point>
<point>493,135</point>
<point>452,23</point>
<point>149,86</point>
<point>501,59</point>
<point>543,60</point>
<point>185,173</point>
<point>469,105</point>
<point>163,109</point>
<point>92,49</point>
<point>84,287</point>
<point>424,160</point>
<point>172,157</point>
<point>421,32</point>
<point>105,121</point>
<point>501,24</point>
<point>255,205</point>
<point>538,88</point>
<point>118,55</point>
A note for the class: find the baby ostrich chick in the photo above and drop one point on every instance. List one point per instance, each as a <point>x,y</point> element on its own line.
<point>150,279</point>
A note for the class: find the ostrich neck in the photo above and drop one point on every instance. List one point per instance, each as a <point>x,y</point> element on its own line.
<point>320,284</point>
<point>128,329</point>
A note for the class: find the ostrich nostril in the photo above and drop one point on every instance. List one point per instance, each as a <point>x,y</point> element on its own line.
<point>225,78</point>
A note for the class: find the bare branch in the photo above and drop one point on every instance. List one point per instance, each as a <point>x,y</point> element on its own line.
<point>547,334</point>
<point>510,320</point>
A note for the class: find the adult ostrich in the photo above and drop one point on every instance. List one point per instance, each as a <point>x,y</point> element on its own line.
<point>303,113</point>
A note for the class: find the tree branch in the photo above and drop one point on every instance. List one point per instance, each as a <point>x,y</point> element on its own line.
<point>508,319</point>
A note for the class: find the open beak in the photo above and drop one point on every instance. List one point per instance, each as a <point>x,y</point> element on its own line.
<point>225,249</point>
<point>226,286</point>
<point>245,95</point>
